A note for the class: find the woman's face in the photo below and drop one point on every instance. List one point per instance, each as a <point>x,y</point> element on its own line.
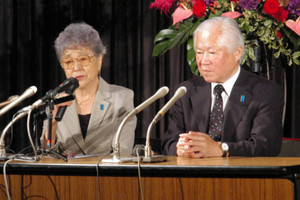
<point>82,64</point>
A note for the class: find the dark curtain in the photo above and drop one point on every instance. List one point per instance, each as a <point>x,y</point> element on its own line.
<point>28,29</point>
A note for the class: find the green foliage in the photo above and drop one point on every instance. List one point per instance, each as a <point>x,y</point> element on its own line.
<point>167,39</point>
<point>191,57</point>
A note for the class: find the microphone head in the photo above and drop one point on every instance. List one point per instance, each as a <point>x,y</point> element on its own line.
<point>180,91</point>
<point>162,91</point>
<point>31,91</point>
<point>72,81</point>
<point>68,84</point>
<point>178,94</point>
<point>28,93</point>
<point>73,87</point>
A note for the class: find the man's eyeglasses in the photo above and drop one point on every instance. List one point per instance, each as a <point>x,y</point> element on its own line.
<point>69,63</point>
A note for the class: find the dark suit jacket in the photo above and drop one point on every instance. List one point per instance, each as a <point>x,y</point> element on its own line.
<point>252,116</point>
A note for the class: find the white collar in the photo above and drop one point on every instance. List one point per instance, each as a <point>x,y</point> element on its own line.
<point>228,85</point>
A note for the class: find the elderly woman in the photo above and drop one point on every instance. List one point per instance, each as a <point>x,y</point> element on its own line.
<point>91,121</point>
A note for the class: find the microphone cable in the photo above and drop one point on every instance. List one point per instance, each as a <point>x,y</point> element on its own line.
<point>97,170</point>
<point>3,189</point>
<point>29,184</point>
<point>54,187</point>
<point>29,135</point>
<point>139,170</point>
<point>5,178</point>
<point>11,133</point>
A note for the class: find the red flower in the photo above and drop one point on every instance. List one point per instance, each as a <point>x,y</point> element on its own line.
<point>233,1</point>
<point>271,7</point>
<point>199,8</point>
<point>279,35</point>
<point>281,15</point>
<point>163,5</point>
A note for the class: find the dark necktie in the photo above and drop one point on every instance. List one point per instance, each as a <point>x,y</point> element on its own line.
<point>216,116</point>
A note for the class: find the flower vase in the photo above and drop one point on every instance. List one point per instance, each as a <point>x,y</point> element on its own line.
<point>256,65</point>
<point>260,65</point>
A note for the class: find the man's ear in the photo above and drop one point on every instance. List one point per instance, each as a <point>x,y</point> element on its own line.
<point>238,53</point>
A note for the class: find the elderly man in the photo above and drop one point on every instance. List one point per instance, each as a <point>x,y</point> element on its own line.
<point>227,111</point>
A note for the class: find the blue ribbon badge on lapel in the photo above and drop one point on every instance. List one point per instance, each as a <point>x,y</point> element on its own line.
<point>242,98</point>
<point>101,107</point>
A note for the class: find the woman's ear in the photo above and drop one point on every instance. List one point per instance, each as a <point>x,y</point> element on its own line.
<point>100,57</point>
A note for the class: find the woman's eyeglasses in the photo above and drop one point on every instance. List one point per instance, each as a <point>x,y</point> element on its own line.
<point>69,63</point>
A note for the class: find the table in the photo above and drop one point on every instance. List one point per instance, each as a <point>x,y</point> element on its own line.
<point>178,178</point>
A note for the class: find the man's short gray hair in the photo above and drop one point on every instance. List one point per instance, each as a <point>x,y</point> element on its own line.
<point>230,35</point>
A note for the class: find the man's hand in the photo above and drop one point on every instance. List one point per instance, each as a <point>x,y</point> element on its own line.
<point>197,145</point>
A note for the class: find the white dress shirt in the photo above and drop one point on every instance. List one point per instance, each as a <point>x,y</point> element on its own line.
<point>228,85</point>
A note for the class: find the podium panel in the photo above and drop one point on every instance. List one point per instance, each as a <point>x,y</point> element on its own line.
<point>158,188</point>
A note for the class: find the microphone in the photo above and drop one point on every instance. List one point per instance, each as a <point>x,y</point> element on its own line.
<point>66,85</point>
<point>178,94</point>
<point>61,110</point>
<point>70,82</point>
<point>28,93</point>
<point>9,100</point>
<point>116,154</point>
<point>158,158</point>
<point>160,93</point>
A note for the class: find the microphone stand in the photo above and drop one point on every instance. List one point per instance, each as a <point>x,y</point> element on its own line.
<point>38,117</point>
<point>48,150</point>
<point>116,149</point>
<point>148,149</point>
<point>50,106</point>
<point>36,131</point>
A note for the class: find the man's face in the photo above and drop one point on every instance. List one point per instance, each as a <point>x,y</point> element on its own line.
<point>214,62</point>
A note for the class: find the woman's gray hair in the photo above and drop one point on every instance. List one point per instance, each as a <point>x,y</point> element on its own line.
<point>79,34</point>
<point>230,35</point>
